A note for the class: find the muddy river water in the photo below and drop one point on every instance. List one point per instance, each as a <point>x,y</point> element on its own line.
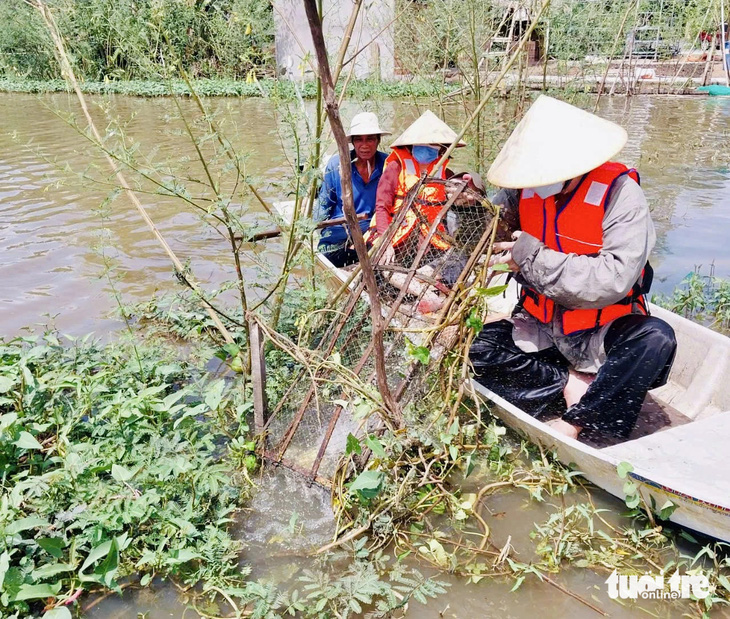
<point>56,244</point>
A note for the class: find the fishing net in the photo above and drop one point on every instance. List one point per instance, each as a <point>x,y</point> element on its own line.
<point>333,393</point>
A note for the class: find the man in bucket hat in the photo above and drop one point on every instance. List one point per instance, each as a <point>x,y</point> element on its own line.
<point>367,167</point>
<point>580,343</point>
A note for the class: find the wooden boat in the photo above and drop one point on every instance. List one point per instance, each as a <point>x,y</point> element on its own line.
<point>677,450</point>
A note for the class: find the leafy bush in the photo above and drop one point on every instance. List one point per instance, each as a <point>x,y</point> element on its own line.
<point>111,466</point>
<point>703,298</point>
<point>127,39</point>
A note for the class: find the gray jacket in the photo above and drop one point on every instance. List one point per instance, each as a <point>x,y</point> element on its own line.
<point>584,281</point>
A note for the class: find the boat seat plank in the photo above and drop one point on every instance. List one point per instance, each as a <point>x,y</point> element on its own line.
<point>691,458</point>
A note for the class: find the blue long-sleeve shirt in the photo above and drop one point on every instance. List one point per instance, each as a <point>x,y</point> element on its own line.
<point>330,197</point>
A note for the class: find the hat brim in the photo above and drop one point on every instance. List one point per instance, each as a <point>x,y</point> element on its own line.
<point>349,135</point>
<point>555,142</point>
<point>427,129</point>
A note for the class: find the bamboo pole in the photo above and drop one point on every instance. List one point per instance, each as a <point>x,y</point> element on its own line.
<point>333,113</point>
<point>67,70</point>
<point>495,85</point>
<point>610,56</point>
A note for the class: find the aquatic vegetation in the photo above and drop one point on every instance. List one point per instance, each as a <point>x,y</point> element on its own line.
<point>264,87</point>
<point>113,471</point>
<point>699,297</point>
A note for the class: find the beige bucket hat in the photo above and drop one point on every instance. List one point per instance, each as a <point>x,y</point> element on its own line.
<point>554,142</point>
<point>427,129</point>
<point>365,123</point>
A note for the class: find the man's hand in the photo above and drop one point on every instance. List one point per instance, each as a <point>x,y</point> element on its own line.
<point>503,253</point>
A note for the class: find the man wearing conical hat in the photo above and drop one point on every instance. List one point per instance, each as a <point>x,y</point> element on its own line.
<point>367,167</point>
<point>580,343</point>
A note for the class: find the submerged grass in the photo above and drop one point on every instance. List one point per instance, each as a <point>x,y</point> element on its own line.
<point>284,89</point>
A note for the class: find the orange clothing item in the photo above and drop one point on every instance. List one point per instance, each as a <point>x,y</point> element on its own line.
<point>385,196</point>
<point>576,227</point>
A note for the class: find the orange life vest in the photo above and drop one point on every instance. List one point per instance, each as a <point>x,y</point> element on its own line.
<point>429,202</point>
<point>576,228</point>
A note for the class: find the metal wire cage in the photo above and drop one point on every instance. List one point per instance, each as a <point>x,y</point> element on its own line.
<point>334,394</point>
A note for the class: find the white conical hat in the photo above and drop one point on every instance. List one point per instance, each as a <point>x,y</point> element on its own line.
<point>554,142</point>
<point>427,129</point>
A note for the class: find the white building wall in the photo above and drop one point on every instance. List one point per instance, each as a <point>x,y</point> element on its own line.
<point>294,42</point>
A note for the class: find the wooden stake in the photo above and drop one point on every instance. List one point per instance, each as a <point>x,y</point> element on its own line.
<point>258,376</point>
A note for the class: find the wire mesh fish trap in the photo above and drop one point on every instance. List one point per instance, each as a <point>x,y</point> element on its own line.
<point>333,392</point>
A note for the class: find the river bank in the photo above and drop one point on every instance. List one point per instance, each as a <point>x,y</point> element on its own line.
<point>263,88</point>
<point>648,78</point>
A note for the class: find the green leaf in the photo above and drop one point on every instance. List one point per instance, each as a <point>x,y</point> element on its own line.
<point>214,394</point>
<point>51,569</point>
<point>353,445</point>
<point>27,441</point>
<point>182,556</point>
<point>666,510</point>
<point>454,427</point>
<point>375,446</point>
<point>102,550</point>
<point>232,349</point>
<point>517,584</point>
<point>501,267</point>
<point>470,463</point>
<point>629,488</point>
<point>6,384</point>
<point>24,524</point>
<point>121,473</point>
<point>623,469</point>
<point>420,354</point>
<point>492,291</point>
<point>474,322</point>
<point>62,612</point>
<point>368,484</point>
<point>4,565</point>
<point>723,580</point>
<point>52,545</point>
<point>633,501</point>
<point>437,552</point>
<point>108,567</point>
<point>7,420</point>
<point>35,592</point>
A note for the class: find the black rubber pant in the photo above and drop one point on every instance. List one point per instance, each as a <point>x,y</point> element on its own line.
<point>341,256</point>
<point>639,354</point>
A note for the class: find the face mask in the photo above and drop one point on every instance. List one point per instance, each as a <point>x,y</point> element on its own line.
<point>548,190</point>
<point>425,154</point>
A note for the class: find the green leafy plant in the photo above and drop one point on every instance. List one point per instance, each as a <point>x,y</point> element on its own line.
<point>110,469</point>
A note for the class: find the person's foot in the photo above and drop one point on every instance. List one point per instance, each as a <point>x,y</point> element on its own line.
<point>576,387</point>
<point>565,428</point>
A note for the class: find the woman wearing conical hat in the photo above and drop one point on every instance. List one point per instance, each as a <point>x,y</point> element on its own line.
<point>580,343</point>
<point>415,152</point>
